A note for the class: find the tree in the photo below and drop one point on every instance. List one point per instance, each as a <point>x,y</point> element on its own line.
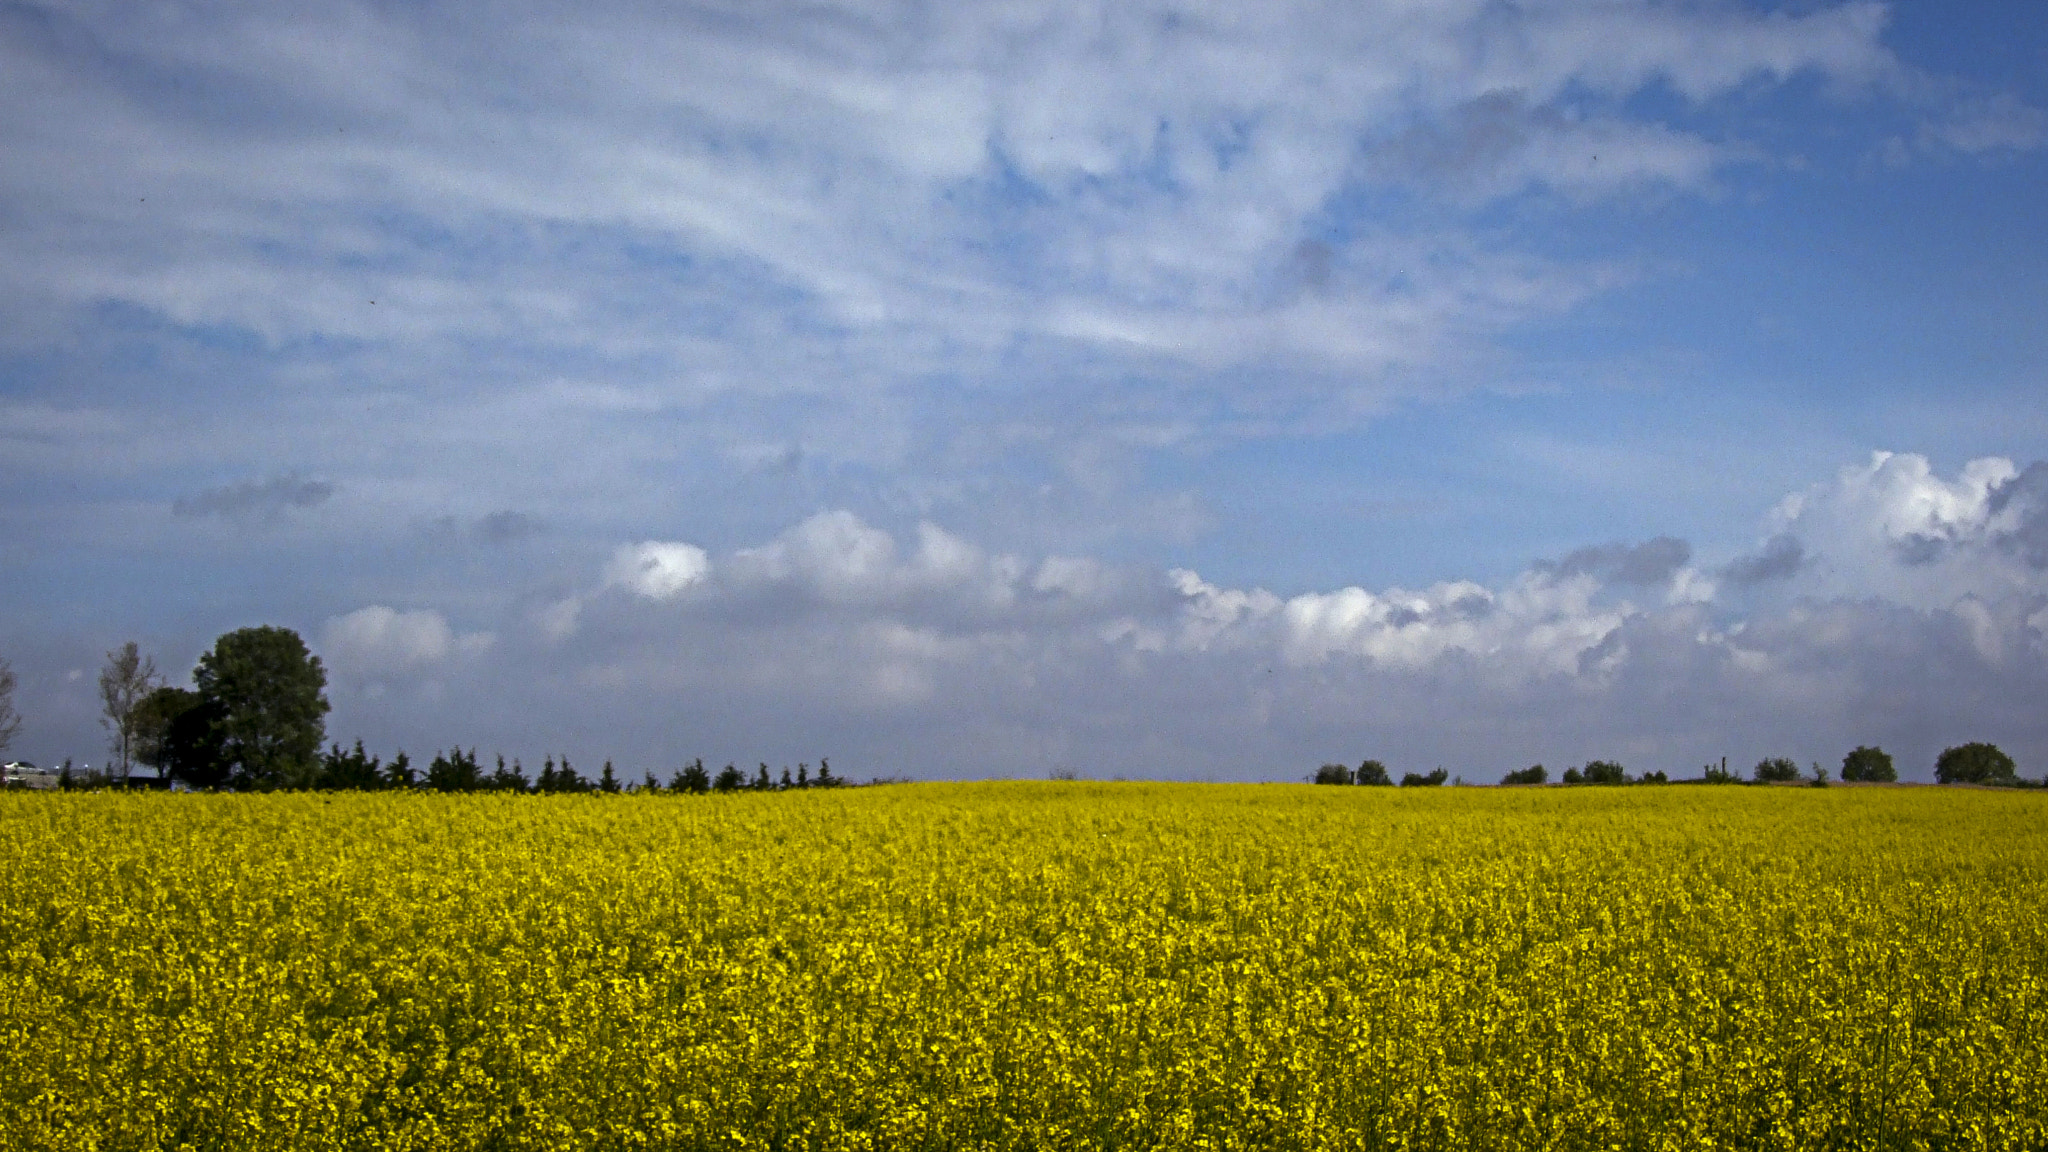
<point>1333,774</point>
<point>1869,766</point>
<point>1372,772</point>
<point>511,779</point>
<point>607,781</point>
<point>1417,780</point>
<point>351,771</point>
<point>693,778</point>
<point>825,777</point>
<point>1533,774</point>
<point>272,697</point>
<point>127,678</point>
<point>400,774</point>
<point>177,732</point>
<point>1975,763</point>
<point>10,720</point>
<point>1605,772</point>
<point>563,779</point>
<point>455,771</point>
<point>1775,770</point>
<point>730,779</point>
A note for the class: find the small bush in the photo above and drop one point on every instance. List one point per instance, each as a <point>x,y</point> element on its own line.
<point>1533,774</point>
<point>1434,779</point>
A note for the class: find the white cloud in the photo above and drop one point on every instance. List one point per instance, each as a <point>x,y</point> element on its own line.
<point>835,558</point>
<point>378,641</point>
<point>1893,527</point>
<point>657,570</point>
<point>964,653</point>
<point>1120,176</point>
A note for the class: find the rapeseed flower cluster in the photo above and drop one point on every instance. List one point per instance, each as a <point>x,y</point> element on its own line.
<point>1026,966</point>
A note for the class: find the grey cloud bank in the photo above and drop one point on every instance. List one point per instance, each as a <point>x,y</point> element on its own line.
<point>935,656</point>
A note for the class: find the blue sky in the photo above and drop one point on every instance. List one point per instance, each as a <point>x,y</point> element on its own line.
<point>1160,389</point>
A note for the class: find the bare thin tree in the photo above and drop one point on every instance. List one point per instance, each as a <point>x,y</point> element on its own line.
<point>10,720</point>
<point>127,678</point>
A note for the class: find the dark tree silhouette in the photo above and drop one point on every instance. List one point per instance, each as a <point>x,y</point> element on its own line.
<point>1975,763</point>
<point>1775,770</point>
<point>272,706</point>
<point>1869,765</point>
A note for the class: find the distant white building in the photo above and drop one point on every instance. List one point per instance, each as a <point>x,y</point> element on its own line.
<point>22,774</point>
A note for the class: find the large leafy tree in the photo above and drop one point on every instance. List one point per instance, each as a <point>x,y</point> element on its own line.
<point>1869,765</point>
<point>1976,763</point>
<point>271,697</point>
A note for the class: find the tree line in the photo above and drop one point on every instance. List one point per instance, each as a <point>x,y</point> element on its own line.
<point>1973,763</point>
<point>458,771</point>
<point>256,715</point>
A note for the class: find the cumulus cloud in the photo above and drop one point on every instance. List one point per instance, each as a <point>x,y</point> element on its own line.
<point>657,570</point>
<point>377,642</point>
<point>1895,528</point>
<point>267,498</point>
<point>1538,625</point>
<point>1781,557</point>
<point>1012,663</point>
<point>2019,510</point>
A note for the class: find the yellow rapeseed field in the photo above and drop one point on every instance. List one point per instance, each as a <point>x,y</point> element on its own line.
<point>1028,966</point>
